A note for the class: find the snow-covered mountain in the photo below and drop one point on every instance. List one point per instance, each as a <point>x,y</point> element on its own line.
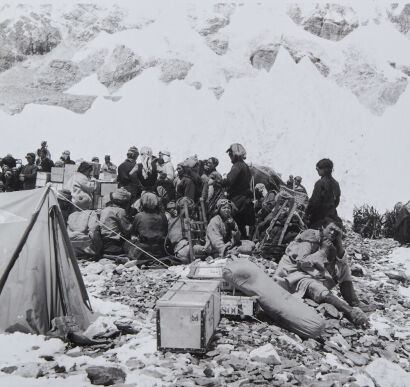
<point>292,82</point>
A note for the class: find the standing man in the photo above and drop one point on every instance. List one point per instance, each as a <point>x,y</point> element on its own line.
<point>325,197</point>
<point>44,163</point>
<point>297,186</point>
<point>65,158</point>
<point>109,166</point>
<point>29,172</point>
<point>127,180</point>
<point>237,184</point>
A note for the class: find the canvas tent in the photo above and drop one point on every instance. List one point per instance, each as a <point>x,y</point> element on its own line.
<point>39,275</point>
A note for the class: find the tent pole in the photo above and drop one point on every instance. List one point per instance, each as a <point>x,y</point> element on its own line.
<point>23,239</point>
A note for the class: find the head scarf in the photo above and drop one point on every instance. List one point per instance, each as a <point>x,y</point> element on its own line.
<point>190,162</point>
<point>146,161</point>
<point>31,155</point>
<point>180,203</point>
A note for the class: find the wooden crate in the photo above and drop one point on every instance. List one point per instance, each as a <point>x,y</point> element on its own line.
<point>238,305</point>
<point>69,171</point>
<point>209,271</point>
<point>42,178</point>
<point>57,175</point>
<point>107,188</point>
<point>57,186</point>
<point>109,177</point>
<point>188,315</point>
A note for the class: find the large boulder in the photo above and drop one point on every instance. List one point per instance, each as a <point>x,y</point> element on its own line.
<point>119,67</point>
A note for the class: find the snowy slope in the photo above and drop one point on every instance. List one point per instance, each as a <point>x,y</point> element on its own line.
<point>179,75</point>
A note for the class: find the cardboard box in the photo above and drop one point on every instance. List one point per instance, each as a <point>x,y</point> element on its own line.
<point>42,178</point>
<point>209,271</point>
<point>238,305</point>
<point>57,186</point>
<point>107,188</point>
<point>188,315</point>
<point>57,175</point>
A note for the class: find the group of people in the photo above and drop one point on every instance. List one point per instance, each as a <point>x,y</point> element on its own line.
<point>147,216</point>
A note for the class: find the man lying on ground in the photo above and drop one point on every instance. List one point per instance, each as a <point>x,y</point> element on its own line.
<point>314,263</point>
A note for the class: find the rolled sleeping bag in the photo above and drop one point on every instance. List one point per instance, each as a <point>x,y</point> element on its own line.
<point>285,309</point>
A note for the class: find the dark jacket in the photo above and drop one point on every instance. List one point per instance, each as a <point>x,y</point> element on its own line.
<point>67,161</point>
<point>124,179</point>
<point>187,188</point>
<point>238,183</point>
<point>45,165</point>
<point>150,227</point>
<point>325,199</point>
<point>148,183</point>
<point>30,173</point>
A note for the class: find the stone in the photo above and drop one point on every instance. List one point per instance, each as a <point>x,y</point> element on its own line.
<point>213,25</point>
<point>8,370</point>
<point>59,75</point>
<point>105,376</point>
<point>127,326</point>
<point>209,372</point>
<point>357,270</point>
<point>387,374</point>
<point>266,354</point>
<point>357,359</point>
<point>134,364</point>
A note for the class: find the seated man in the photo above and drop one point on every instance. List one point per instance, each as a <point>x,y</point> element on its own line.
<point>176,236</point>
<point>222,233</point>
<point>314,263</point>
<point>115,224</point>
<point>81,225</point>
<point>149,229</point>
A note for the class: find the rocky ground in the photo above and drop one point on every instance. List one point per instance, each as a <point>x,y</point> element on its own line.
<point>243,352</point>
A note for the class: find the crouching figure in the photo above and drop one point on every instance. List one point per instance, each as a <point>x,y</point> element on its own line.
<point>314,263</point>
<point>222,233</point>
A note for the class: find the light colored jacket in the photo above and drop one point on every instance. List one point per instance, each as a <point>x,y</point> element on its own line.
<point>81,184</point>
<point>216,234</point>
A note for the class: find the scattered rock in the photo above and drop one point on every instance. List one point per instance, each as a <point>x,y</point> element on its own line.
<point>174,69</point>
<point>266,354</point>
<point>387,374</point>
<point>59,75</point>
<point>8,370</point>
<point>105,376</point>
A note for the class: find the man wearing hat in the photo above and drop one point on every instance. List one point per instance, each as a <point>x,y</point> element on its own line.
<point>238,186</point>
<point>65,158</point>
<point>108,166</point>
<point>125,178</point>
<point>28,174</point>
<point>325,197</point>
